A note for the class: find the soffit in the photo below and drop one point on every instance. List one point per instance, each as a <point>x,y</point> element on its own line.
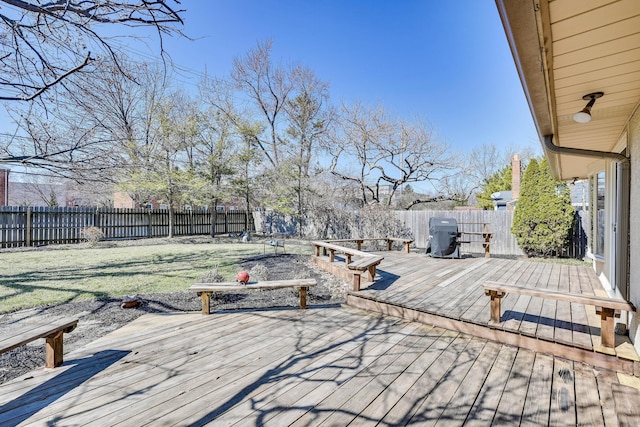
<point>583,46</point>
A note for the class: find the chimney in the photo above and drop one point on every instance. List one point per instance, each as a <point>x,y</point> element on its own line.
<point>515,177</point>
<point>4,187</point>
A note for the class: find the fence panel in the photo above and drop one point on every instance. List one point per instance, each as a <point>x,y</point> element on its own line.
<point>13,227</point>
<point>32,226</point>
<point>502,243</point>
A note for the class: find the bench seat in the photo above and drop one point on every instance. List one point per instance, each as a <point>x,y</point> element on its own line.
<point>204,290</point>
<point>368,264</point>
<point>51,330</point>
<point>605,307</point>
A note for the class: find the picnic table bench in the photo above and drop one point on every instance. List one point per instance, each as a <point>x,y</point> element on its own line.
<point>204,290</point>
<point>51,331</point>
<point>607,308</point>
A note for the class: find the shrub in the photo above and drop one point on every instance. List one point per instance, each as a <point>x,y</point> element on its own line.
<point>92,235</point>
<point>259,272</point>
<point>368,222</point>
<point>544,217</point>
<point>212,276</point>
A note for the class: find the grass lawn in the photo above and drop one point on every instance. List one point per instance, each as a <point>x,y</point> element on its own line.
<point>53,275</point>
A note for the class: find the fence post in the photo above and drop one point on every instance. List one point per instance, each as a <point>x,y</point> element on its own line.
<point>29,227</point>
<point>149,224</point>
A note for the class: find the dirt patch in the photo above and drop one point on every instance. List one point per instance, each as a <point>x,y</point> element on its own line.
<point>99,317</point>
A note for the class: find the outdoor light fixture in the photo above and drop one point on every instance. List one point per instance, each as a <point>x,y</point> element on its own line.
<point>584,116</point>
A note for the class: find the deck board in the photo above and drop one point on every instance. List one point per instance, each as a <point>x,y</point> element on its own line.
<point>538,400</point>
<point>563,411</point>
<point>511,407</point>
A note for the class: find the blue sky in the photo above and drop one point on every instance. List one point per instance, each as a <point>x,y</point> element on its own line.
<point>447,62</point>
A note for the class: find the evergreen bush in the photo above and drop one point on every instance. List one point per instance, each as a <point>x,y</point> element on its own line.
<point>544,217</point>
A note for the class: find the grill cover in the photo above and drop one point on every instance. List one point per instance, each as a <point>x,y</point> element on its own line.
<point>443,238</point>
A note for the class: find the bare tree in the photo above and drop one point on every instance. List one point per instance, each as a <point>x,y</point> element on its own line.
<point>385,153</point>
<point>43,43</point>
<point>268,86</point>
<point>165,172</point>
<point>94,134</point>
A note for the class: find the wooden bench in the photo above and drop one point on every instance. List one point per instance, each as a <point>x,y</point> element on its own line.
<point>51,330</point>
<point>367,264</point>
<point>406,242</point>
<point>332,248</point>
<point>607,308</point>
<point>204,290</point>
<point>466,236</point>
<point>367,261</point>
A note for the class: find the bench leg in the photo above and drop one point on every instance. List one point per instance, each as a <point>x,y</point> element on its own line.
<point>303,297</point>
<point>407,248</point>
<point>607,326</point>
<point>496,298</point>
<point>348,257</point>
<point>332,255</point>
<point>359,244</point>
<point>372,273</point>
<point>206,299</point>
<point>389,244</point>
<point>356,282</point>
<point>54,351</point>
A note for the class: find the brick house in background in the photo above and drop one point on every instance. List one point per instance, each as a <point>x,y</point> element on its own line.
<point>49,192</point>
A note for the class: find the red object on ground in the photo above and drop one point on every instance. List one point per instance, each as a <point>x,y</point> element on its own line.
<point>243,277</point>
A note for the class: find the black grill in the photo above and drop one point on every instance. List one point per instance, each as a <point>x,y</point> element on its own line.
<point>443,238</point>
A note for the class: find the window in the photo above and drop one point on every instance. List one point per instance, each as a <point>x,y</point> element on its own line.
<point>598,228</point>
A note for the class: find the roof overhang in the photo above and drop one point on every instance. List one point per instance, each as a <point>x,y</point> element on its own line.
<point>564,50</point>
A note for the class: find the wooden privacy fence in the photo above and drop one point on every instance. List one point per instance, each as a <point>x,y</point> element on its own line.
<point>33,226</point>
<point>502,241</point>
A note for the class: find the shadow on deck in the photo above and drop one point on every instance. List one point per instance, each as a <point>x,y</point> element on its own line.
<point>448,293</point>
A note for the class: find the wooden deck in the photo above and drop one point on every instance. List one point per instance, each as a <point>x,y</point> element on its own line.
<point>322,366</point>
<point>449,293</point>
<point>338,366</point>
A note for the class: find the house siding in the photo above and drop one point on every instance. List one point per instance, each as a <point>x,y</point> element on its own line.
<point>634,227</point>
